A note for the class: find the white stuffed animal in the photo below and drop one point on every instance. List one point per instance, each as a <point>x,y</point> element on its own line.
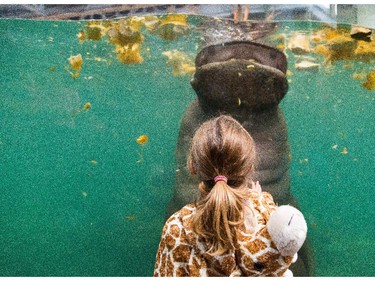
<point>287,228</point>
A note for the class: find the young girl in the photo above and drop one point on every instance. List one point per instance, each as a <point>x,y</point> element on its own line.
<point>211,237</point>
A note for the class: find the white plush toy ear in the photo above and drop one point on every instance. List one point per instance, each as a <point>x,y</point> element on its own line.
<point>287,228</point>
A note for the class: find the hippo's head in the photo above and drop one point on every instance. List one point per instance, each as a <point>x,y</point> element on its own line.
<point>241,75</point>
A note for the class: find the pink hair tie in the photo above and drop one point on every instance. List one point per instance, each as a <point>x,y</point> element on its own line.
<point>220,178</point>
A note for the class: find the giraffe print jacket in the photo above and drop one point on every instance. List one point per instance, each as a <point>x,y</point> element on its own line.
<point>182,253</point>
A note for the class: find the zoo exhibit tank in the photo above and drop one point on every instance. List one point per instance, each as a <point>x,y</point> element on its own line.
<point>90,116</point>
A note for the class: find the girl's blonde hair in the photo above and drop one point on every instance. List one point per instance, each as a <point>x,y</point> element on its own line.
<point>221,146</point>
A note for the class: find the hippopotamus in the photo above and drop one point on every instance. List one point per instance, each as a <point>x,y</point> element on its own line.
<point>246,80</point>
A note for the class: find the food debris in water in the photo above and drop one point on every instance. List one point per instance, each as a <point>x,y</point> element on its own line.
<point>181,63</point>
<point>171,27</point>
<point>369,84</point>
<point>344,151</point>
<point>143,139</point>
<point>130,218</point>
<point>76,62</point>
<point>129,54</point>
<point>85,107</point>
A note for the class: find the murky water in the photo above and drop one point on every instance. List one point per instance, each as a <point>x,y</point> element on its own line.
<point>81,197</point>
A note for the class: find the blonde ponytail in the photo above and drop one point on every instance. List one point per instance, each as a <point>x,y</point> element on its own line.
<point>222,155</point>
<point>217,215</point>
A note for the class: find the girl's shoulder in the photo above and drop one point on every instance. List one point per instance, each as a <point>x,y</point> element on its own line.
<point>183,214</point>
<point>179,226</point>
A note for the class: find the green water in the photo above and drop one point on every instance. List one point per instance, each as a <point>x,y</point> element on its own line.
<point>75,199</point>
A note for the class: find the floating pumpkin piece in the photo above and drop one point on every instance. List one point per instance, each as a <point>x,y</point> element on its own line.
<point>81,36</point>
<point>87,106</point>
<point>124,35</point>
<point>180,62</point>
<point>344,151</point>
<point>94,33</point>
<point>342,47</point>
<point>365,51</point>
<point>172,27</point>
<point>369,84</point>
<point>322,50</point>
<point>76,62</point>
<point>143,139</point>
<point>95,30</point>
<point>129,54</point>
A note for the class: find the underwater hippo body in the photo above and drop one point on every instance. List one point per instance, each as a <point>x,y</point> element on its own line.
<point>246,80</point>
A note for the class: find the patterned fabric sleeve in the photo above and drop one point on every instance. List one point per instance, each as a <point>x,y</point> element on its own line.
<point>165,257</point>
<point>175,256</point>
<point>161,255</point>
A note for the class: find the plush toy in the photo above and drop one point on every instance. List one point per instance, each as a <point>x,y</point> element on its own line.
<point>287,228</point>
<point>268,249</point>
